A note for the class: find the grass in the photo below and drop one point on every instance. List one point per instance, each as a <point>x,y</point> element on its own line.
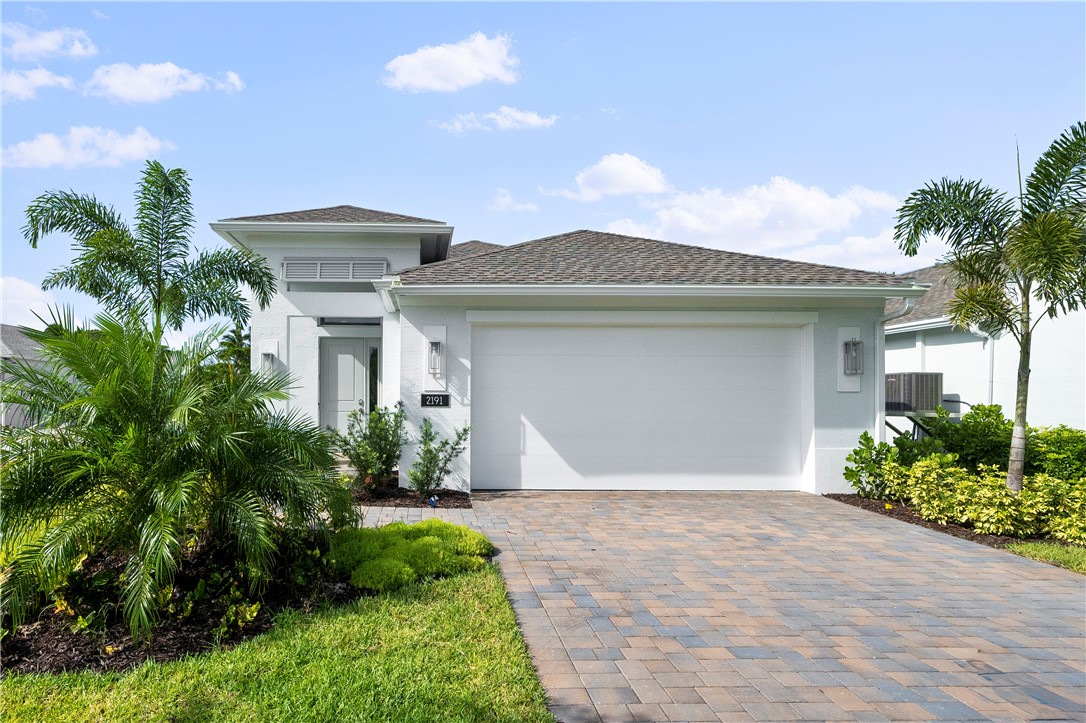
<point>446,650</point>
<point>1071,557</point>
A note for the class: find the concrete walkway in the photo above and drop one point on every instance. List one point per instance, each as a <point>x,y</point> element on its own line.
<point>648,606</point>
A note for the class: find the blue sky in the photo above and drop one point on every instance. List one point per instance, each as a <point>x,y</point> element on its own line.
<point>790,130</point>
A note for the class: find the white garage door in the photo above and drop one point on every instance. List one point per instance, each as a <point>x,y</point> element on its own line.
<point>635,408</point>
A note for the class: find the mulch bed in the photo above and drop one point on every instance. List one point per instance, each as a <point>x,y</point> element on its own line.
<point>901,511</point>
<point>404,497</point>
<point>48,644</point>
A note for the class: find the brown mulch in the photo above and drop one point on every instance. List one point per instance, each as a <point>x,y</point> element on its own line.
<point>901,511</point>
<point>392,496</point>
<point>48,645</point>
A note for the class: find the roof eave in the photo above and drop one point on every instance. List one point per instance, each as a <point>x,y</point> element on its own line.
<point>749,290</point>
<point>229,229</point>
<point>936,322</point>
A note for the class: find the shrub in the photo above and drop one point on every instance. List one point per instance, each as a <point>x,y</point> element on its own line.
<point>144,452</point>
<point>867,476</point>
<point>1067,521</point>
<point>433,548</point>
<point>434,461</point>
<point>982,438</point>
<point>1059,451</point>
<point>933,484</point>
<point>911,450</point>
<point>382,574</point>
<point>896,478</point>
<point>984,502</point>
<point>373,443</point>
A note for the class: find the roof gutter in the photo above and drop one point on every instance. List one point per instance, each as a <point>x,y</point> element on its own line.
<point>675,290</point>
<point>385,291</point>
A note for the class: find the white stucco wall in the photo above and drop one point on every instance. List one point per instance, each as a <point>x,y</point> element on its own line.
<point>290,323</point>
<point>1057,393</point>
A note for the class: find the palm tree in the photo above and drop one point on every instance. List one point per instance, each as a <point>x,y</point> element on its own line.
<point>148,266</point>
<point>144,452</point>
<point>1007,254</point>
<point>234,350</point>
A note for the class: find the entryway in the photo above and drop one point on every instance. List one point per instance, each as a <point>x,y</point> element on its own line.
<point>349,376</point>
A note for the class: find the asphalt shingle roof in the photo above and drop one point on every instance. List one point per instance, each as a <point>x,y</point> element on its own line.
<point>932,305</point>
<point>594,257</point>
<point>335,214</point>
<point>471,248</point>
<point>14,344</point>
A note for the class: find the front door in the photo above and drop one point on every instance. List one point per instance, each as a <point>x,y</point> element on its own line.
<point>348,378</point>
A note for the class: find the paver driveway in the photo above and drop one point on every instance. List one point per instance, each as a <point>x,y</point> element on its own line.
<point>728,606</point>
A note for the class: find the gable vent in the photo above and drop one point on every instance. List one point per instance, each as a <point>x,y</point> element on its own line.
<point>334,269</point>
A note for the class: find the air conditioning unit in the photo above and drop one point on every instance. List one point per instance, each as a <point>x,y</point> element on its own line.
<point>909,393</point>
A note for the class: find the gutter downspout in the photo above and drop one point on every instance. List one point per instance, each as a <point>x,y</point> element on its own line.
<point>384,288</point>
<point>880,362</point>
<point>989,341</point>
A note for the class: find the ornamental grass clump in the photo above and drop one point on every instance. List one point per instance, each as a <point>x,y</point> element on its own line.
<point>389,557</point>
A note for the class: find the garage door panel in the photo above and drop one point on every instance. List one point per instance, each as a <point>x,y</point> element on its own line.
<point>709,406</point>
<point>680,473</point>
<point>631,438</point>
<point>636,407</point>
<point>520,372</point>
<point>609,341</point>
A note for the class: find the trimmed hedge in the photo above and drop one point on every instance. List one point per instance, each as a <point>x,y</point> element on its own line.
<point>386,558</point>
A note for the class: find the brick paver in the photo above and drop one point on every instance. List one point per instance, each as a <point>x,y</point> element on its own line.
<point>731,606</point>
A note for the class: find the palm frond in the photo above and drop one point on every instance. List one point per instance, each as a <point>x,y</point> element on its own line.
<point>966,214</point>
<point>1058,180</point>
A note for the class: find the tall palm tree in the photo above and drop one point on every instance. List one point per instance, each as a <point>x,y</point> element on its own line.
<point>148,266</point>
<point>1006,254</point>
<point>143,452</point>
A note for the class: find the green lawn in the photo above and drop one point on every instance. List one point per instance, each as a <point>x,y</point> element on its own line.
<point>447,650</point>
<point>1071,557</point>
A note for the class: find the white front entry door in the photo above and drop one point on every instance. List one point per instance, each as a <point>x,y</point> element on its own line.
<point>636,408</point>
<point>349,376</point>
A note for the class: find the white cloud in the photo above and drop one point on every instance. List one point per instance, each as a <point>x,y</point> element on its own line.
<point>26,43</point>
<point>20,300</point>
<point>450,67</point>
<point>504,119</point>
<point>153,82</point>
<point>84,146</point>
<point>99,15</point>
<point>503,201</point>
<point>781,214</point>
<point>615,174</point>
<point>24,84</point>
<point>875,253</point>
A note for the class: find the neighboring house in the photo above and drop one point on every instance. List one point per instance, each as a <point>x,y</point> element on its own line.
<point>980,370</point>
<point>585,360</point>
<point>14,345</point>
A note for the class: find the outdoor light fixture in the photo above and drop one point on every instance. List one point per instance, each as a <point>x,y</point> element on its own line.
<point>854,356</point>
<point>435,358</point>
<point>267,359</point>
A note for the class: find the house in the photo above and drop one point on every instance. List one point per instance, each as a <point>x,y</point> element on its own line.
<point>978,369</point>
<point>584,360</point>
<point>15,347</point>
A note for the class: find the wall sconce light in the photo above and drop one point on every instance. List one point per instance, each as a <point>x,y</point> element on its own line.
<point>854,357</point>
<point>435,358</point>
<point>267,359</point>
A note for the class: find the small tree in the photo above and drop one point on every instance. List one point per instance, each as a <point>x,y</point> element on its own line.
<point>434,461</point>
<point>148,267</point>
<point>1006,254</point>
<point>373,443</point>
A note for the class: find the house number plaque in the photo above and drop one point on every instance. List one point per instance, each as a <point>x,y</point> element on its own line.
<point>435,400</point>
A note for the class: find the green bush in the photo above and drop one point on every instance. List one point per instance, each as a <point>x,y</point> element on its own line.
<point>896,478</point>
<point>373,443</point>
<point>1067,521</point>
<point>433,548</point>
<point>982,438</point>
<point>434,459</point>
<point>933,486</point>
<point>866,477</point>
<point>1059,451</point>
<point>383,574</point>
<point>911,450</point>
<point>985,503</point>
